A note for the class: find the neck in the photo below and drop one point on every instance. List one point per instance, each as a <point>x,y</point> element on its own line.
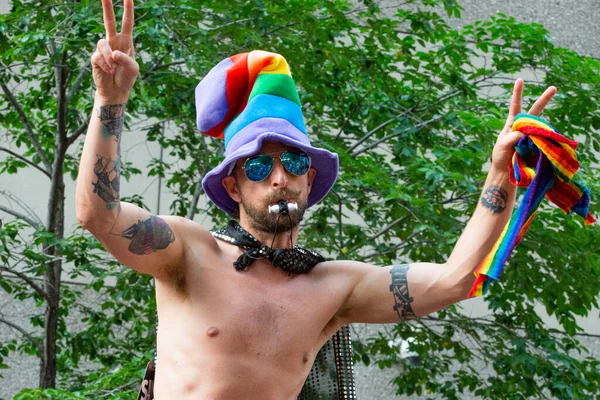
<point>282,239</point>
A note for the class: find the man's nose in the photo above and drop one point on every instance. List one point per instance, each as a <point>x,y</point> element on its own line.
<point>278,176</point>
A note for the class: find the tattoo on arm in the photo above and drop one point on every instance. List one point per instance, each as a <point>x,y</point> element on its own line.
<point>149,236</point>
<point>108,172</point>
<point>146,236</point>
<point>494,199</point>
<point>399,289</point>
<point>112,117</point>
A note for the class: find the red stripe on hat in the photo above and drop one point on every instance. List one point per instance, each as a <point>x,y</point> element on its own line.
<point>236,91</point>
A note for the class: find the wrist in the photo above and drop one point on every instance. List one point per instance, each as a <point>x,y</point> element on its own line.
<point>102,100</point>
<point>500,176</point>
<point>499,170</point>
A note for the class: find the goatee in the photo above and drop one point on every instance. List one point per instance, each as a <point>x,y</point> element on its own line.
<point>264,221</point>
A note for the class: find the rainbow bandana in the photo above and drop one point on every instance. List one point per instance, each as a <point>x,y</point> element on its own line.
<point>248,99</point>
<point>544,162</point>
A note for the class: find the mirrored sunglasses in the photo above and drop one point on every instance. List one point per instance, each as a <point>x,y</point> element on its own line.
<point>258,167</point>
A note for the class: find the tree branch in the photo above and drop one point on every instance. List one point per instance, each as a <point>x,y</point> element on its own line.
<point>416,128</point>
<point>77,133</point>
<point>34,142</point>
<point>154,67</point>
<point>375,130</point>
<point>19,215</point>
<point>339,219</point>
<point>415,109</point>
<point>351,114</point>
<point>384,230</point>
<point>84,70</point>
<point>33,216</point>
<point>192,210</point>
<point>388,227</point>
<point>25,160</point>
<point>393,249</point>
<point>31,283</point>
<point>33,340</point>
<point>60,81</point>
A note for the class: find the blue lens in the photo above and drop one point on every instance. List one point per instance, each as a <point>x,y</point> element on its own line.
<point>297,163</point>
<point>259,167</point>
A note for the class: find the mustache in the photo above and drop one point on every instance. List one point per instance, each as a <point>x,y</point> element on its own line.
<point>282,194</point>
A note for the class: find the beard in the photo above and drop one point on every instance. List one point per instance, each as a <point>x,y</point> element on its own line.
<point>264,221</point>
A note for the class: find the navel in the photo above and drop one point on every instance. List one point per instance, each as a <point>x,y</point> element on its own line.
<point>212,331</point>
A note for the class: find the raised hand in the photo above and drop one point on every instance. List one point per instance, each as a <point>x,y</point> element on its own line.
<point>505,144</point>
<point>113,64</point>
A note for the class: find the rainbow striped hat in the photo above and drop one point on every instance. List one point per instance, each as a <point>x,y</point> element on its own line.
<point>248,99</point>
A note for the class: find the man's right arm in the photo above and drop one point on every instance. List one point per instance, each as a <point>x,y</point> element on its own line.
<point>138,239</point>
<point>142,241</point>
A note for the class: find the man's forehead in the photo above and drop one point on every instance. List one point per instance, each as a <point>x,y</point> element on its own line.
<point>271,147</point>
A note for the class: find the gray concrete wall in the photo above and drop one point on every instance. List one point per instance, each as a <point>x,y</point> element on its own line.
<point>572,24</point>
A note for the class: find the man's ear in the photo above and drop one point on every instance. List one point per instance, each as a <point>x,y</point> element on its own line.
<point>311,177</point>
<point>232,189</point>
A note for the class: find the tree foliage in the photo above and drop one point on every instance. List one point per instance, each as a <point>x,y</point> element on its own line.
<point>412,107</point>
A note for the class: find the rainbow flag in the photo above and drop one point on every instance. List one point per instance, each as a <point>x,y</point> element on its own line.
<point>545,162</point>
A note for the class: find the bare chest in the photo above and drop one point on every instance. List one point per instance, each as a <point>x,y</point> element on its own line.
<point>255,314</point>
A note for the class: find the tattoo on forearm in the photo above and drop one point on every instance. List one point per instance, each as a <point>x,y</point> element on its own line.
<point>399,289</point>
<point>112,117</point>
<point>149,236</point>
<point>108,172</point>
<point>494,199</point>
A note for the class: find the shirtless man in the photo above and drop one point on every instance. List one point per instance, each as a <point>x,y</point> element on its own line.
<point>253,334</point>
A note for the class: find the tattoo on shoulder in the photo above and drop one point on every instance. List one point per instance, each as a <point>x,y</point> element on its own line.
<point>108,172</point>
<point>112,117</point>
<point>149,236</point>
<point>494,199</point>
<point>399,289</point>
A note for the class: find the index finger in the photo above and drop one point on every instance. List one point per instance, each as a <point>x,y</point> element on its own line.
<point>110,24</point>
<point>127,26</point>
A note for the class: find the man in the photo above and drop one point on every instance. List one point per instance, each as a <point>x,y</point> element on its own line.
<point>239,319</point>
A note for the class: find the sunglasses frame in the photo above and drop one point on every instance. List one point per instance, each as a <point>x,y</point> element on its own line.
<point>278,155</point>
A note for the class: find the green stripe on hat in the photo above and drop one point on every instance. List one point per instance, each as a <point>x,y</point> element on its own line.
<point>277,85</point>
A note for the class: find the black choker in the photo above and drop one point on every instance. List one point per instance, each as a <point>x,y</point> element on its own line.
<point>296,260</point>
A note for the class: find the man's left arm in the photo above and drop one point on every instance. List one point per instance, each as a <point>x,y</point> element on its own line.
<point>401,292</point>
<point>405,291</point>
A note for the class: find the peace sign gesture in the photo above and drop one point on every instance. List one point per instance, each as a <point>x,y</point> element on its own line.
<point>505,144</point>
<point>113,65</point>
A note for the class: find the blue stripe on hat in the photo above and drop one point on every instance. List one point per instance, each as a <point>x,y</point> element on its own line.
<point>266,106</point>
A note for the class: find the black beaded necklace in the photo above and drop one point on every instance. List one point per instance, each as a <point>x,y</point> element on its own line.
<point>295,260</point>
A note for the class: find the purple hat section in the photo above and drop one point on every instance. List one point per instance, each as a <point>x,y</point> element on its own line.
<point>248,142</point>
<point>211,97</point>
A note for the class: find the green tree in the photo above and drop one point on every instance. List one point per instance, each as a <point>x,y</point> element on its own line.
<point>412,107</point>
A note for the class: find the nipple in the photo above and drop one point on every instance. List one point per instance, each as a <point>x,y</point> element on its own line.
<point>212,331</point>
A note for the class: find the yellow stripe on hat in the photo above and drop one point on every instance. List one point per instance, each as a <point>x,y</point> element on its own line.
<point>278,65</point>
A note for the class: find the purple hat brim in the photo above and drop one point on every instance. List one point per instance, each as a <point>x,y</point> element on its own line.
<point>323,161</point>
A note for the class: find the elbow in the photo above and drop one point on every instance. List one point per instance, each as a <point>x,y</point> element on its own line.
<point>459,282</point>
<point>84,214</point>
<point>84,218</point>
<point>94,221</point>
